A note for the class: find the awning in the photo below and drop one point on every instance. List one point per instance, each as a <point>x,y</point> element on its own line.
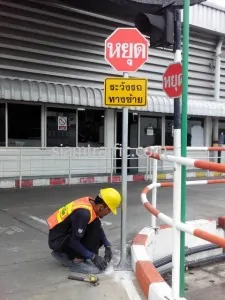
<point>48,92</point>
<point>195,107</point>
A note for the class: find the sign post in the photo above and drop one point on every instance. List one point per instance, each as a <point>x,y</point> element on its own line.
<point>123,247</point>
<point>126,50</point>
<point>172,86</point>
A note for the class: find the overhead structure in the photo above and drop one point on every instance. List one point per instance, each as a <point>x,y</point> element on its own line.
<point>122,9</point>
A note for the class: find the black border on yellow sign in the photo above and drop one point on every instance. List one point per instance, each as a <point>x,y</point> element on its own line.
<point>126,79</point>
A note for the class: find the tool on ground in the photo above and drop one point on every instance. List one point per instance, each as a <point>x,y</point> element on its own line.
<point>91,279</point>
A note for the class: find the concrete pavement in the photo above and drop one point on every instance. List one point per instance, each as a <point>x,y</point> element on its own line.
<point>205,201</point>
<point>210,281</point>
<point>29,272</point>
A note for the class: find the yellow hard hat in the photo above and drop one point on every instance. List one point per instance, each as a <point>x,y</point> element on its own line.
<point>112,198</point>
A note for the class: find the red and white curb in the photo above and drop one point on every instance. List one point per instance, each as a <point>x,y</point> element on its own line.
<point>94,179</point>
<point>66,181</point>
<point>151,282</point>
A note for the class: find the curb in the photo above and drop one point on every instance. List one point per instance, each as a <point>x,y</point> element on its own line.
<point>150,280</point>
<point>65,181</point>
<point>16,183</point>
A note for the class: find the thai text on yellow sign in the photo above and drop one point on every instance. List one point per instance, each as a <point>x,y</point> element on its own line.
<point>125,92</point>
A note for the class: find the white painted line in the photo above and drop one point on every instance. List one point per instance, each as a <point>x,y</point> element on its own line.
<point>129,287</point>
<point>38,219</point>
<point>106,223</point>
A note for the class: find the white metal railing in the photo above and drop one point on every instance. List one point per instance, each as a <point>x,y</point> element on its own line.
<point>20,162</point>
<point>178,226</point>
<point>202,153</point>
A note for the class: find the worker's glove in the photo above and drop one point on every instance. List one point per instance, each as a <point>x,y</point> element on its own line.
<point>108,254</point>
<point>100,263</point>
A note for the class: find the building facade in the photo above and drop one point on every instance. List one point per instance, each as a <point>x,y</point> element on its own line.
<point>52,70</point>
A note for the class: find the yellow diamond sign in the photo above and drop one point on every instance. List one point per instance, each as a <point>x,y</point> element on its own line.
<point>125,92</point>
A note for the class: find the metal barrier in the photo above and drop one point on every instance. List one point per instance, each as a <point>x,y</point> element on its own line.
<point>175,222</point>
<point>28,162</point>
<point>215,154</point>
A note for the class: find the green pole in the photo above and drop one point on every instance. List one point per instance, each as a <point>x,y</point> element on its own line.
<point>184,138</point>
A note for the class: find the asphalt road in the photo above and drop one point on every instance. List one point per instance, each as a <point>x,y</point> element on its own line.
<point>28,271</point>
<point>207,201</point>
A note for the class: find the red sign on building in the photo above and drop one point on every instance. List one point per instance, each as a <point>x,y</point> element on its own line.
<point>126,49</point>
<point>172,80</point>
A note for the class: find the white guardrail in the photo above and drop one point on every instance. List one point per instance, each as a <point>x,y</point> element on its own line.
<point>28,162</point>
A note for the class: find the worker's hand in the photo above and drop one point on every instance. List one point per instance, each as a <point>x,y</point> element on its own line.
<point>108,254</point>
<point>100,263</point>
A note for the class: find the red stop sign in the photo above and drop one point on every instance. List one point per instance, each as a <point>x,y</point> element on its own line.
<point>172,80</point>
<point>126,49</point>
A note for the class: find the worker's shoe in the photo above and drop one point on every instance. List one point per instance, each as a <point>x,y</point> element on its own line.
<point>76,265</point>
<point>85,267</point>
<point>62,258</point>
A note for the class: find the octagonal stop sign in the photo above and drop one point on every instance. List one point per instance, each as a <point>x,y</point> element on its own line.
<point>126,49</point>
<point>172,80</point>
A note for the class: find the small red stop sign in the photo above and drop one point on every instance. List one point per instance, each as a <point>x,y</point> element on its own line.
<point>172,80</point>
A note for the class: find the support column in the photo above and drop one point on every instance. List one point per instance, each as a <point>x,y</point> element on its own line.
<point>215,140</point>
<point>217,92</point>
<point>110,139</point>
<point>43,126</point>
<point>215,131</point>
<point>109,132</point>
<point>6,126</point>
<point>163,132</point>
<point>208,132</point>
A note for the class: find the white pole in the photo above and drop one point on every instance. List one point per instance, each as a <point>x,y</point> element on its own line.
<point>176,206</point>
<point>154,192</point>
<point>124,185</point>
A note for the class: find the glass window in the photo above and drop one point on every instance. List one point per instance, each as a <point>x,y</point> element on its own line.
<point>150,131</point>
<point>90,128</point>
<point>24,125</point>
<point>61,127</point>
<point>195,132</point>
<point>221,135</point>
<point>2,124</point>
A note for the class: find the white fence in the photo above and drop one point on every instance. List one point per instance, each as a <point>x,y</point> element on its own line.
<point>65,161</point>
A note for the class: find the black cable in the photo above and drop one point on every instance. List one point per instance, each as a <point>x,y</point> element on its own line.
<point>198,263</point>
<point>189,251</point>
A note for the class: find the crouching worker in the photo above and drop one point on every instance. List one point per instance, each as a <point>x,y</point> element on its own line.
<point>76,234</point>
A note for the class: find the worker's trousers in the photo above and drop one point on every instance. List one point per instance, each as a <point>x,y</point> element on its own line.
<point>91,240</point>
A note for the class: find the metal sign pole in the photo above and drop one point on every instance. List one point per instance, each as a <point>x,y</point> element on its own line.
<point>124,186</point>
<point>177,169</point>
<point>125,92</point>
